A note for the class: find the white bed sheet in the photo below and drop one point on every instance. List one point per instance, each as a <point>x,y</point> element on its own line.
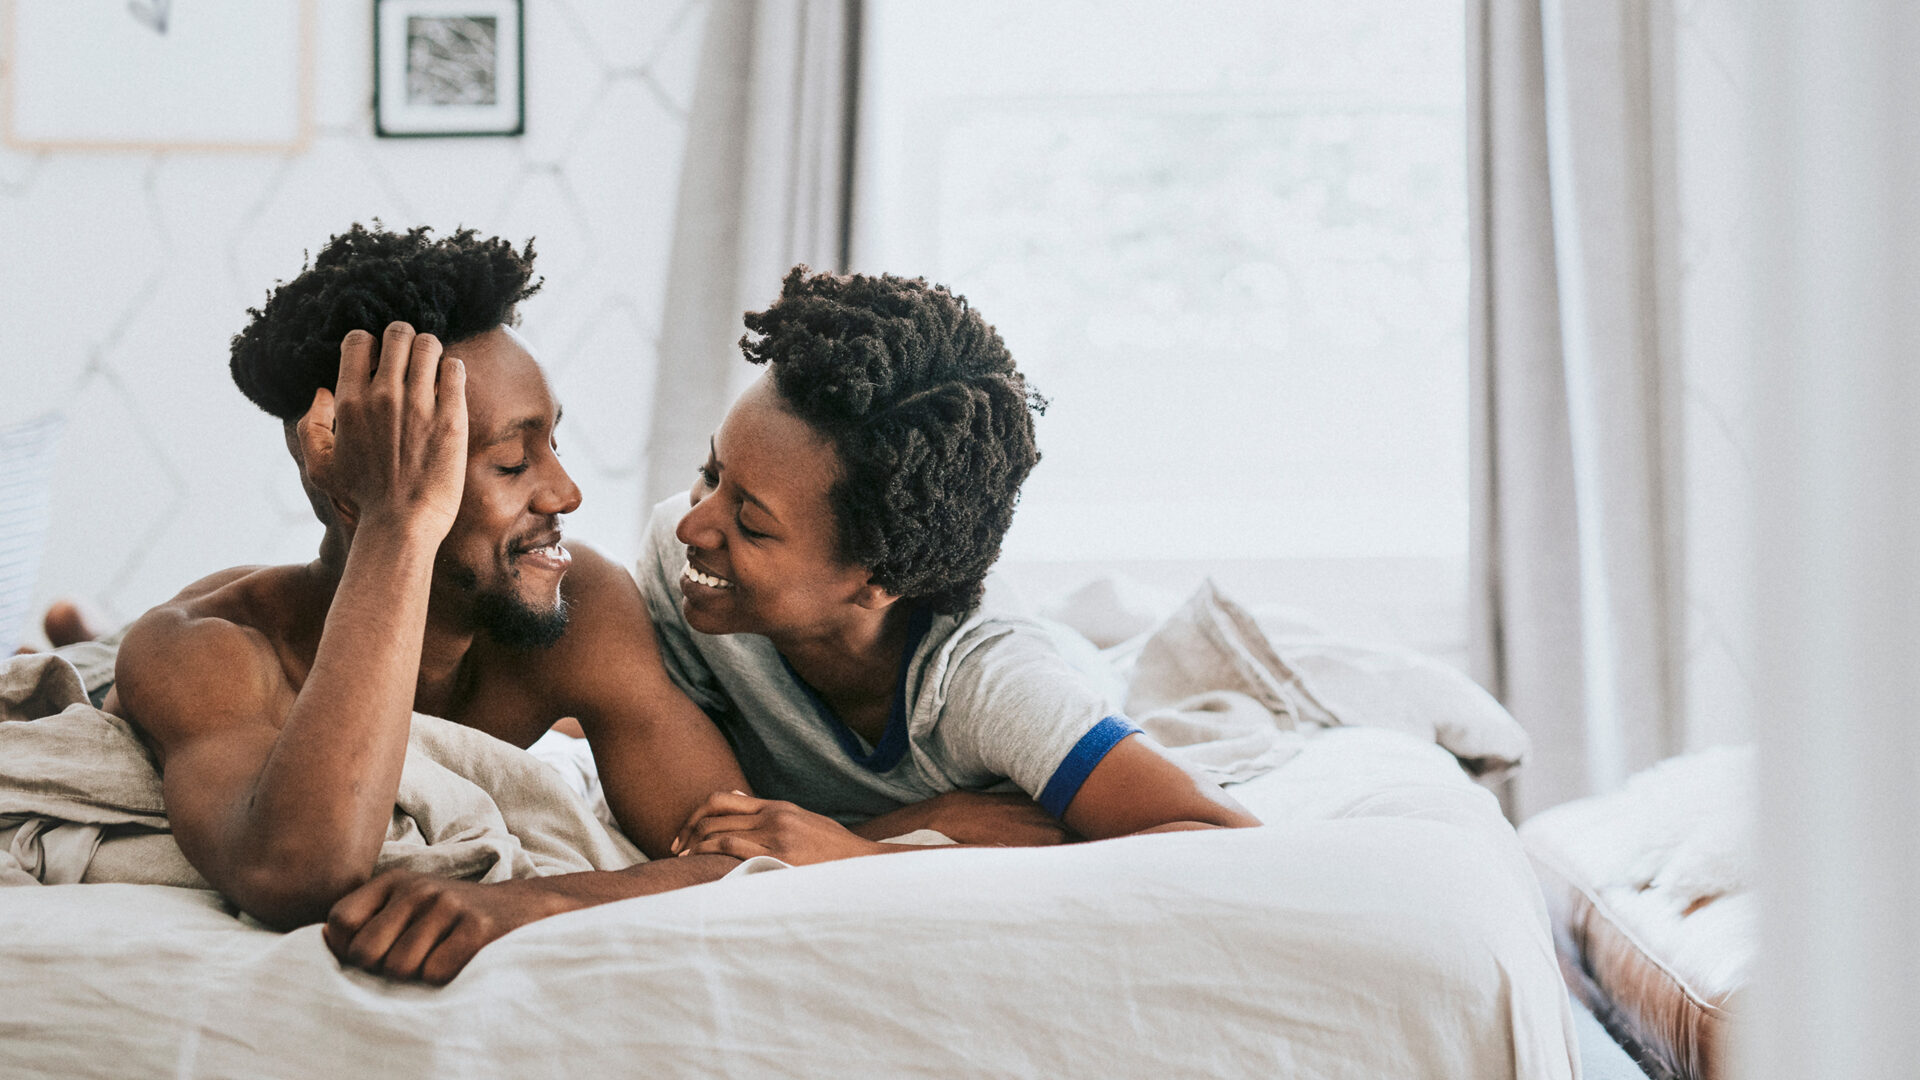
<point>1383,925</point>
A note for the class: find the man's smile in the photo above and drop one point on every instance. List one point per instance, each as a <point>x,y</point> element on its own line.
<point>542,553</point>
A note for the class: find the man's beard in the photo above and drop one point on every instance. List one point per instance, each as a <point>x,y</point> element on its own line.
<point>516,624</point>
<point>506,618</point>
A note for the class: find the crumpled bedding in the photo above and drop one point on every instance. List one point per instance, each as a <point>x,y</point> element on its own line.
<point>1234,696</point>
<point>80,800</point>
<point>1383,924</point>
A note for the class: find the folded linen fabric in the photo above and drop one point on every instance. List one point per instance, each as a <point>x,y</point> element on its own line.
<point>1211,685</point>
<point>1206,685</point>
<point>80,799</point>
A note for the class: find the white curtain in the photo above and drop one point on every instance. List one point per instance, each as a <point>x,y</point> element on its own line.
<point>1834,166</point>
<point>1576,523</point>
<point>765,185</point>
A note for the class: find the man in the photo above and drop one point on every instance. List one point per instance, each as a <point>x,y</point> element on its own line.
<point>277,699</point>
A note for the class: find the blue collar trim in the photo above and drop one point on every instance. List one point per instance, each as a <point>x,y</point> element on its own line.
<point>893,741</point>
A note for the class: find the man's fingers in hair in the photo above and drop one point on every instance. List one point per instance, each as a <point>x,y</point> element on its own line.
<point>356,363</point>
<point>423,371</point>
<point>390,372</point>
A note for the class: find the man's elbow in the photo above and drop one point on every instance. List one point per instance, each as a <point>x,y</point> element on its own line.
<point>1236,818</point>
<point>288,895</point>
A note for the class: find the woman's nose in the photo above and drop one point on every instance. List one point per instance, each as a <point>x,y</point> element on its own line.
<point>699,526</point>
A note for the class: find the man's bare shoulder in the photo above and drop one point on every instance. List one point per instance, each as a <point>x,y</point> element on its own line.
<point>609,637</point>
<point>212,655</point>
<point>606,615</point>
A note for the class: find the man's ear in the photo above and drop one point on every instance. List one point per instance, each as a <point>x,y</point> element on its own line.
<point>329,510</point>
<point>874,597</point>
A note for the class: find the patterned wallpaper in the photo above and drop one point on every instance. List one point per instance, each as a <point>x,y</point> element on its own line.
<point>125,274</point>
<point>1716,346</point>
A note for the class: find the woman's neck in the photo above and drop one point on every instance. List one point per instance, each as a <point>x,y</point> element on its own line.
<point>854,662</point>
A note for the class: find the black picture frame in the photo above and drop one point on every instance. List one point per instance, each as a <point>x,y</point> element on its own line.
<point>501,108</point>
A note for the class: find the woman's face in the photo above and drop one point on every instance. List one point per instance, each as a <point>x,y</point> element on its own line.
<point>762,542</point>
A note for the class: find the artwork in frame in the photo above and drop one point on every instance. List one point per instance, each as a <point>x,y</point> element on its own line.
<point>147,75</point>
<point>448,67</point>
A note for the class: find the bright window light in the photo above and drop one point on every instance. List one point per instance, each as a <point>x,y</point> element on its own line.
<point>1227,239</point>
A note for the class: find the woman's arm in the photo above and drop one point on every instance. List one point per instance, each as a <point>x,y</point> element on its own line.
<point>1139,788</point>
<point>1136,788</point>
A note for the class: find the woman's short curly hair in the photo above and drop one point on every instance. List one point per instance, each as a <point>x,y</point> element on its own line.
<point>454,288</point>
<point>932,423</point>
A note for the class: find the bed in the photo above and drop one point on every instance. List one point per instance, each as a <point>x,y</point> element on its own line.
<point>1384,923</point>
<point>1656,923</point>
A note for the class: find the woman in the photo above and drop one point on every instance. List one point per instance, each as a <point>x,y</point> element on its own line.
<point>822,598</point>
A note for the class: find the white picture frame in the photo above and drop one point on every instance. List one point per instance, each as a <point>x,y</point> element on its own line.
<point>449,67</point>
<point>148,75</point>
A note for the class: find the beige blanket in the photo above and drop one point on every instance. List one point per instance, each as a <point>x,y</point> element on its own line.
<point>80,799</point>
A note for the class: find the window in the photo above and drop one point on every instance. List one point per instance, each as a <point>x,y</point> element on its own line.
<point>1229,242</point>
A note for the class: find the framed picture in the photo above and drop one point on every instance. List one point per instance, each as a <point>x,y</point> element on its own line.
<point>448,67</point>
<point>146,75</point>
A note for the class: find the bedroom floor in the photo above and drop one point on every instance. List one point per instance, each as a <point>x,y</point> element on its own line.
<point>1600,1057</point>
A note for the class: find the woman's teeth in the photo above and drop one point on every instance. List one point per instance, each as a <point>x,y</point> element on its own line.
<point>708,580</point>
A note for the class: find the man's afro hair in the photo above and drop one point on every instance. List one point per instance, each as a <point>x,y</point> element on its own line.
<point>454,288</point>
<point>932,423</point>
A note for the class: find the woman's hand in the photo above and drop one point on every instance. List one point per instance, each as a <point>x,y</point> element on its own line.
<point>730,823</point>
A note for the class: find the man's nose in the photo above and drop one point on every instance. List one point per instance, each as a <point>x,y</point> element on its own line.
<point>560,495</point>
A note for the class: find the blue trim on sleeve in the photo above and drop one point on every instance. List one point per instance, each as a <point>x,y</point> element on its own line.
<point>1078,765</point>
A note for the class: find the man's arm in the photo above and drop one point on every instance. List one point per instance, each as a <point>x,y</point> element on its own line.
<point>407,925</point>
<point>658,754</point>
<point>659,757</point>
<point>282,799</point>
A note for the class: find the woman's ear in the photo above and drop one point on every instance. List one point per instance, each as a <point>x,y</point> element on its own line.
<point>874,597</point>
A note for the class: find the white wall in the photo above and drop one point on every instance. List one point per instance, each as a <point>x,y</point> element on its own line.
<point>122,277</point>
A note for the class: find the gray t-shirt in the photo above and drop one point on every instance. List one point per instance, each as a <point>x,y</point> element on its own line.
<point>983,698</point>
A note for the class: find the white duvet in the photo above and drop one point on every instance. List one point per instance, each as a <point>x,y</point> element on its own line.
<point>1384,924</point>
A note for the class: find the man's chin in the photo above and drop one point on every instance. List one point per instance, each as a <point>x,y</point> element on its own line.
<point>514,623</point>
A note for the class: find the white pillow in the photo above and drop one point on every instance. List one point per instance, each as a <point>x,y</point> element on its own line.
<point>1306,678</point>
<point>1390,687</point>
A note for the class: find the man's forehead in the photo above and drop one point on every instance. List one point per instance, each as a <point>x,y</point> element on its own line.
<point>507,392</point>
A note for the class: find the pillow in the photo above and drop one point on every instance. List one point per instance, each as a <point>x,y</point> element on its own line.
<point>1301,677</point>
<point>26,465</point>
<point>1389,687</point>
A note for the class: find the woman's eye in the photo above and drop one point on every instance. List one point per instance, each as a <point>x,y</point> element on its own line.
<point>751,534</point>
<point>708,476</point>
<point>512,470</point>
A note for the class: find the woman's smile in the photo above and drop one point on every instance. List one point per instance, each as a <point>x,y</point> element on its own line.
<point>699,579</point>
